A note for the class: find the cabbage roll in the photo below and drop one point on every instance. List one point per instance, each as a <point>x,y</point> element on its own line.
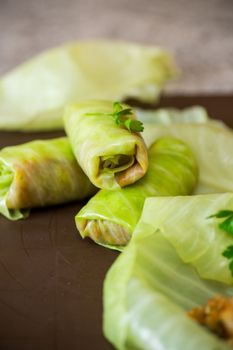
<point>80,70</point>
<point>149,289</point>
<point>212,146</point>
<point>111,155</point>
<point>110,217</point>
<point>40,173</point>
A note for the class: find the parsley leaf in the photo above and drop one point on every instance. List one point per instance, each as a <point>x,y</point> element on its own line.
<point>222,214</point>
<point>117,107</point>
<point>227,224</point>
<point>228,252</point>
<point>231,266</point>
<point>120,116</point>
<point>134,125</point>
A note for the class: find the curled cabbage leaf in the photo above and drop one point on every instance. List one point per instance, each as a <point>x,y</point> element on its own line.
<point>33,95</point>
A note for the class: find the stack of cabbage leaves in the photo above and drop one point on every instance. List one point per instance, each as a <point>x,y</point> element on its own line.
<point>173,263</point>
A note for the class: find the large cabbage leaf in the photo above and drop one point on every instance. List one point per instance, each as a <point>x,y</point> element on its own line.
<point>185,222</point>
<point>149,289</point>
<point>33,95</point>
<point>212,146</point>
<point>166,116</point>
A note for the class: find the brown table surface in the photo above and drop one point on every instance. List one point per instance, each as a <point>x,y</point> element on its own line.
<point>50,279</point>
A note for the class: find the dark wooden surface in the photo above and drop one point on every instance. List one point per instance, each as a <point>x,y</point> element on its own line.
<point>50,279</point>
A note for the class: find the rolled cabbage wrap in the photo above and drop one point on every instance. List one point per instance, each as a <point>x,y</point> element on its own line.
<point>80,70</point>
<point>110,217</point>
<point>212,146</point>
<point>149,289</point>
<point>111,155</point>
<point>40,173</point>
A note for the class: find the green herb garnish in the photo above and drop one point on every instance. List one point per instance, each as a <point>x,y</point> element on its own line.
<point>120,116</point>
<point>228,253</point>
<point>227,226</point>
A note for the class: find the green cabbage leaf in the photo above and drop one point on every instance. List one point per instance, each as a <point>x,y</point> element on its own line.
<point>166,116</point>
<point>33,95</point>
<point>152,285</point>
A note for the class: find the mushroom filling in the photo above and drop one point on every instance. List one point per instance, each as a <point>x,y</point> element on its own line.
<point>217,316</point>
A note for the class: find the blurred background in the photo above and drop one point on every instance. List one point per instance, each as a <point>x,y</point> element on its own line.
<point>198,32</point>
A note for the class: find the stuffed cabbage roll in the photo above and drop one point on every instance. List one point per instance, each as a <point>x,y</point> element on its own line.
<point>77,71</point>
<point>212,146</point>
<point>110,217</point>
<point>150,289</point>
<point>40,173</point>
<point>110,153</point>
